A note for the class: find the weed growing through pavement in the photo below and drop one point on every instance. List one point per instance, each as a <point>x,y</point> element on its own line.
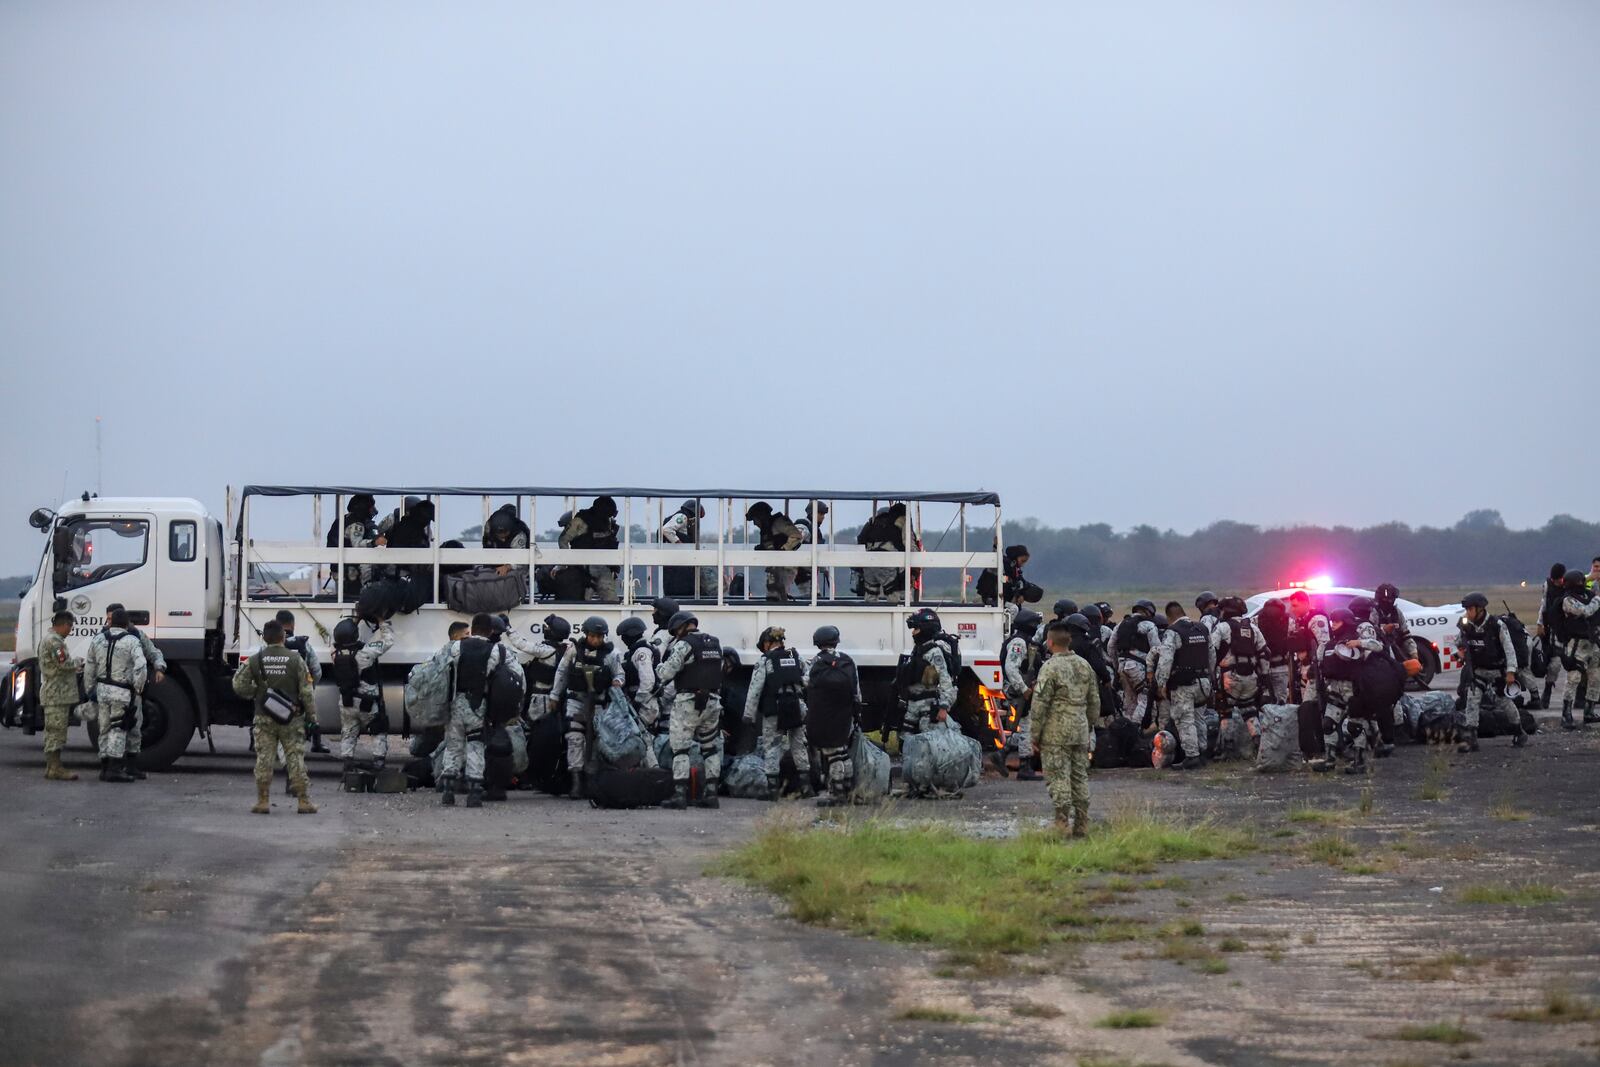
<point>1435,772</point>
<point>935,1015</point>
<point>1504,809</point>
<point>1441,1033</point>
<point>1030,1009</point>
<point>1559,1007</point>
<point>934,885</point>
<point>1130,1020</point>
<point>1517,895</point>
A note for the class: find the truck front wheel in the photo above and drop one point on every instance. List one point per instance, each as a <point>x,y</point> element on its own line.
<point>167,724</point>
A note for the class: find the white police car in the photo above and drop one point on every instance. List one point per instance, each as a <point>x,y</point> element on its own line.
<point>1435,628</point>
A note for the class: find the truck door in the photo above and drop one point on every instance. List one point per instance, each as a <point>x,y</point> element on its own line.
<point>181,559</point>
<point>98,560</point>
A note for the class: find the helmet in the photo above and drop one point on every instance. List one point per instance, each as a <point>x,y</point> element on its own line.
<point>502,623</point>
<point>758,511</point>
<point>604,505</point>
<point>1361,607</point>
<point>825,635</point>
<point>565,520</point>
<point>662,609</point>
<point>1146,606</point>
<point>1031,594</point>
<point>1207,597</point>
<point>690,507</point>
<point>730,658</point>
<point>1342,618</point>
<point>924,620</point>
<point>1475,600</point>
<point>362,504</point>
<point>1233,605</point>
<point>1028,620</point>
<point>1077,621</point>
<point>594,624</point>
<point>1016,551</point>
<point>1091,613</point>
<point>679,621</point>
<point>556,628</point>
<point>1106,611</point>
<point>1161,623</point>
<point>816,509</point>
<point>1576,582</point>
<point>346,632</point>
<point>503,522</point>
<point>631,629</point>
<point>1387,593</point>
<point>1065,607</point>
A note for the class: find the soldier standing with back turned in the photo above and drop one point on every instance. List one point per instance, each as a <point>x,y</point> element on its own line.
<point>277,674</point>
<point>1066,704</point>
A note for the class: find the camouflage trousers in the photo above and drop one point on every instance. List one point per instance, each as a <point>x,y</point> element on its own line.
<point>919,717</point>
<point>1279,677</point>
<point>1180,719</point>
<point>270,733</point>
<point>876,583</point>
<point>539,705</point>
<point>1487,684</point>
<point>779,582</point>
<point>56,719</point>
<point>1135,693</point>
<point>1246,690</point>
<point>603,582</point>
<point>687,726</point>
<point>774,741</point>
<point>463,743</point>
<point>1587,657</point>
<point>838,769</point>
<point>1021,741</point>
<point>353,720</point>
<point>1066,776</point>
<point>1339,730</point>
<point>113,735</point>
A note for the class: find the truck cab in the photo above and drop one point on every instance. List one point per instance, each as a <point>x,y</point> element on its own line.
<point>159,557</point>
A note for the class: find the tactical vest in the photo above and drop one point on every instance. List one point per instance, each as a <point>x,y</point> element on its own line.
<point>630,670</point>
<point>347,673</point>
<point>588,672</point>
<point>1030,656</point>
<point>598,532</point>
<point>912,680</point>
<point>111,647</point>
<point>702,672</point>
<point>785,676</point>
<point>472,669</point>
<point>1192,659</point>
<point>1131,640</point>
<point>277,672</point>
<point>1483,645</point>
<point>1575,627</point>
<point>299,645</point>
<point>541,673</point>
<point>1242,647</point>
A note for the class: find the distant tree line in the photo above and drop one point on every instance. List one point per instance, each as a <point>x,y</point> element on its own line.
<point>1232,555</point>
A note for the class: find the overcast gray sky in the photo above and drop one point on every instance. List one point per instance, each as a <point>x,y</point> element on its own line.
<point>1162,263</point>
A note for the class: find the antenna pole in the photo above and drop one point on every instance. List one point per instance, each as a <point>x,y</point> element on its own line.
<point>99,486</point>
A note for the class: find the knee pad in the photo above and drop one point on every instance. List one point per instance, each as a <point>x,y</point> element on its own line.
<point>1328,725</point>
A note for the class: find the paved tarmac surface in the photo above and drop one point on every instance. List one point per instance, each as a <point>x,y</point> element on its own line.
<point>161,923</point>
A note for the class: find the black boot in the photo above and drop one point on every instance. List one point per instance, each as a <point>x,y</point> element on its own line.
<point>1567,722</point>
<point>575,792</point>
<point>1469,741</point>
<point>114,770</point>
<point>474,792</point>
<point>447,791</point>
<point>807,791</point>
<point>834,800</point>
<point>679,800</point>
<point>1589,715</point>
<point>1521,737</point>
<point>774,788</point>
<point>316,740</point>
<point>1549,691</point>
<point>708,798</point>
<point>130,767</point>
<point>494,791</point>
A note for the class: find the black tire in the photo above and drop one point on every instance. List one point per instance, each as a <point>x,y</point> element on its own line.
<point>167,723</point>
<point>1430,668</point>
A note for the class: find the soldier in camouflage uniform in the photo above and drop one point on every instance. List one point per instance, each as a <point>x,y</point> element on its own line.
<point>58,692</point>
<point>596,527</point>
<point>1183,683</point>
<point>544,663</point>
<point>779,674</point>
<point>1344,642</point>
<point>114,675</point>
<point>1579,651</point>
<point>464,748</point>
<point>155,666</point>
<point>1066,704</point>
<point>925,688</point>
<point>281,670</point>
<point>1020,666</point>
<point>694,667</point>
<point>1491,665</point>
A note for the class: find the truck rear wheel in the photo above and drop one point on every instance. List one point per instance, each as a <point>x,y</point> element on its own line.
<point>167,723</point>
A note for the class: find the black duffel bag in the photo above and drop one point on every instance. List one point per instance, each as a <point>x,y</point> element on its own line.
<point>482,590</point>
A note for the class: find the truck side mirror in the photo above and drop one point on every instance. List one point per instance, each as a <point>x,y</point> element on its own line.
<point>41,518</point>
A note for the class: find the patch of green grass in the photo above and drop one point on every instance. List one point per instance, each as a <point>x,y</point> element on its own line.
<point>1308,938</point>
<point>933,885</point>
<point>1368,802</point>
<point>1119,885</point>
<point>1435,773</point>
<point>1236,898</point>
<point>1559,1007</point>
<point>1214,965</point>
<point>1283,831</point>
<point>1504,809</point>
<point>1130,1020</point>
<point>974,965</point>
<point>1173,881</point>
<point>1518,895</point>
<point>1232,944</point>
<point>1440,1033</point>
<point>1029,1009</point>
<point>1318,816</point>
<point>1332,850</point>
<point>925,1014</point>
<point>1363,868</point>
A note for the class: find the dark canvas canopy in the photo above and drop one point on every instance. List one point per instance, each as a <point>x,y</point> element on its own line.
<point>979,497</point>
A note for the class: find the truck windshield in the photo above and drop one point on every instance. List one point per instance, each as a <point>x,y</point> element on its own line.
<point>96,549</point>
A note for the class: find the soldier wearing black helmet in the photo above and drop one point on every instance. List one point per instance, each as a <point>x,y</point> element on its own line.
<point>596,527</point>
<point>682,527</point>
<point>777,696</point>
<point>775,533</point>
<point>884,532</point>
<point>543,657</point>
<point>1580,647</point>
<point>694,666</point>
<point>359,532</point>
<point>1350,641</point>
<point>1309,634</point>
<point>1185,663</point>
<point>1551,622</point>
<point>1132,643</point>
<point>506,530</point>
<point>1207,604</point>
<point>1242,658</point>
<point>474,661</point>
<point>639,670</point>
<point>358,645</point>
<point>1020,661</point>
<point>1490,665</point>
<point>810,526</point>
<point>833,695</point>
<point>923,683</point>
<point>592,667</point>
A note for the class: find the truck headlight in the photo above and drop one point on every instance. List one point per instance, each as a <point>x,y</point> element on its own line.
<point>19,687</point>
